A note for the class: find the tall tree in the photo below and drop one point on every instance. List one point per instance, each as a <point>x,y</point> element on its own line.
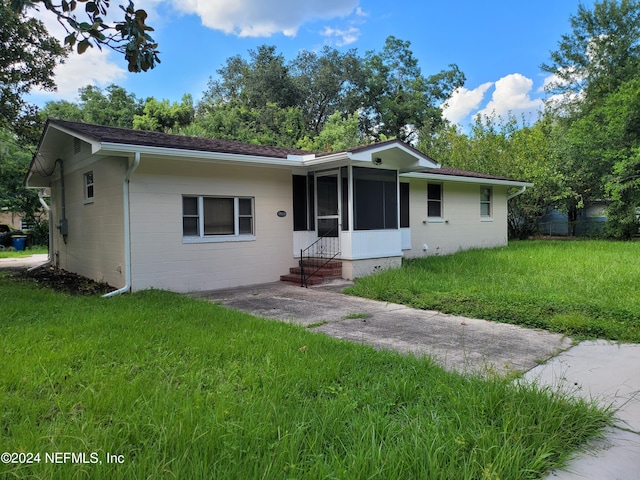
<point>329,82</point>
<point>508,148</point>
<point>113,106</point>
<point>399,100</point>
<point>601,52</point>
<point>597,70</point>
<point>28,55</point>
<point>129,37</point>
<point>263,79</point>
<point>14,160</point>
<point>164,116</point>
<point>338,133</point>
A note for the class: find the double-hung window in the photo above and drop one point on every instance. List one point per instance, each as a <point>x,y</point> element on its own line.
<point>88,187</point>
<point>217,218</point>
<point>434,200</point>
<point>485,203</point>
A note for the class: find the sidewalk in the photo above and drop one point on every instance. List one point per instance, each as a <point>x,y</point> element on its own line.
<point>610,374</point>
<point>19,263</point>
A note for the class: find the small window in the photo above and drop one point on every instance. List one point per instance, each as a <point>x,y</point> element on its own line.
<point>434,200</point>
<point>485,201</point>
<point>217,217</point>
<point>88,186</point>
<point>404,205</point>
<point>190,217</point>
<point>245,216</point>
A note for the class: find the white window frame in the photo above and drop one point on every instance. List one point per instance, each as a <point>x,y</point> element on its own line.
<point>439,218</point>
<point>89,187</point>
<point>486,217</point>
<point>235,237</point>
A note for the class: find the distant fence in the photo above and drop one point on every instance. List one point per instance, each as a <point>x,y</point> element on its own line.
<point>578,228</point>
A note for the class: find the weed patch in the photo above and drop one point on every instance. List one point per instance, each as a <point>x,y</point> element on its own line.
<point>587,289</point>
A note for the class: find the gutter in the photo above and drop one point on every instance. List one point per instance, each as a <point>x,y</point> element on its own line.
<point>459,178</point>
<point>519,192</point>
<point>50,218</point>
<point>127,228</point>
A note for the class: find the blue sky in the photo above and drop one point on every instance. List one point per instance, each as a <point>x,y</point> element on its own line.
<point>498,44</point>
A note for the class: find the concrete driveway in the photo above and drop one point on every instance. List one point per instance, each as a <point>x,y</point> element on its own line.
<point>457,343</point>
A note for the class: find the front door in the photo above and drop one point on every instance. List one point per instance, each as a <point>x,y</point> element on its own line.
<point>328,204</point>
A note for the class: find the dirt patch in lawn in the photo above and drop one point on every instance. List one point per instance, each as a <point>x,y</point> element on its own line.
<point>66,282</point>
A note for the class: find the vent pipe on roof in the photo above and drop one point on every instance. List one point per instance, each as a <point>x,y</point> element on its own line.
<point>127,228</point>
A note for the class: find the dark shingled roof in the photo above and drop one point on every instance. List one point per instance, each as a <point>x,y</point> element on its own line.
<point>126,136</point>
<point>464,173</point>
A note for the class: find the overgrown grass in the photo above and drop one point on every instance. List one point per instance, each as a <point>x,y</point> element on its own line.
<point>587,289</point>
<point>11,253</point>
<point>182,388</point>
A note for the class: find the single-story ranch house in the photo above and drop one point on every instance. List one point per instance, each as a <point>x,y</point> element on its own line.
<point>139,209</point>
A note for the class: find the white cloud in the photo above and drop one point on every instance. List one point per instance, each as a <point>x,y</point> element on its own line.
<point>512,95</point>
<point>259,18</point>
<point>464,101</point>
<point>94,67</point>
<point>361,13</point>
<point>341,37</point>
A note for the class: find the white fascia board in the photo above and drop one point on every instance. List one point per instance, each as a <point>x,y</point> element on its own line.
<point>200,155</point>
<point>459,178</point>
<point>423,160</point>
<point>326,159</point>
<point>95,146</point>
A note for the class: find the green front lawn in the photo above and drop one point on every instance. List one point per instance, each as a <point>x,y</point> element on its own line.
<point>177,388</point>
<point>586,289</point>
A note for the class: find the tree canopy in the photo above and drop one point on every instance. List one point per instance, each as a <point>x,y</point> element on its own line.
<point>584,149</point>
<point>28,55</point>
<point>129,36</point>
<point>597,67</point>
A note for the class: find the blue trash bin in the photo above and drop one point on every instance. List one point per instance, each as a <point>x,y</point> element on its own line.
<point>18,243</point>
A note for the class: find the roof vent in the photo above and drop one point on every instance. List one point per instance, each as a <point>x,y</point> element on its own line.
<point>77,146</point>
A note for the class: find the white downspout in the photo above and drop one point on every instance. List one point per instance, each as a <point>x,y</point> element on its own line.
<point>519,192</point>
<point>127,229</point>
<point>50,218</point>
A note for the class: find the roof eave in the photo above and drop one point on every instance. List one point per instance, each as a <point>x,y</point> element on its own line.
<point>198,155</point>
<point>463,179</point>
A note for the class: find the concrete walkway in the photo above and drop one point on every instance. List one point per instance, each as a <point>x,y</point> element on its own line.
<point>22,263</point>
<point>606,372</point>
<point>457,343</point>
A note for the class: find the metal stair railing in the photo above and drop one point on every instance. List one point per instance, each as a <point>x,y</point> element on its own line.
<point>318,254</point>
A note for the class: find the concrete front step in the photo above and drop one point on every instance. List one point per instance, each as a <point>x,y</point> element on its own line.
<point>293,278</point>
<point>319,272</point>
<point>328,271</point>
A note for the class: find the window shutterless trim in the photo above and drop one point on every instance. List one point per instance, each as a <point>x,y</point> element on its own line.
<point>435,203</point>
<point>89,187</point>
<point>486,202</point>
<point>242,218</point>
